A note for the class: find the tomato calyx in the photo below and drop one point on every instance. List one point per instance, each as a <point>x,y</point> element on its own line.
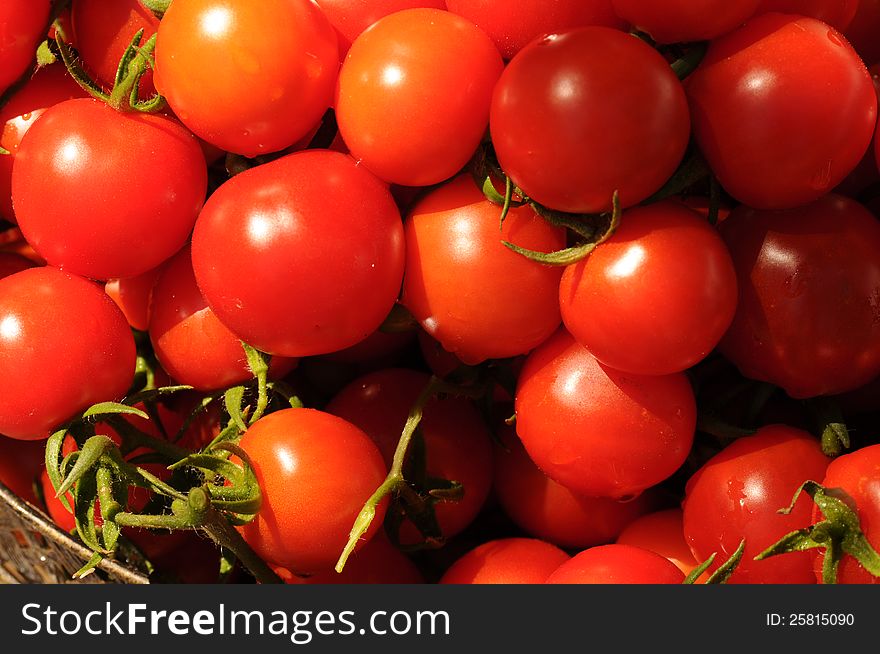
<point>839,534</point>
<point>158,7</point>
<point>724,571</point>
<point>830,425</point>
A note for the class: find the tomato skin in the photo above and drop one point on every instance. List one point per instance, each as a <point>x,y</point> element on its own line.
<point>80,154</point>
<point>315,471</point>
<point>478,298</point>
<point>457,442</point>
<point>12,262</point>
<point>858,474</point>
<point>679,21</point>
<point>862,32</point>
<point>66,328</point>
<point>377,562</point>
<point>20,465</point>
<point>271,92</point>
<point>569,133</point>
<point>657,296</point>
<point>48,87</point>
<point>661,532</point>
<point>597,431</point>
<point>132,295</point>
<point>737,495</point>
<point>512,25</point>
<point>793,266</point>
<point>507,561</point>
<point>395,77</point>
<point>617,564</point>
<point>837,13</point>
<point>300,256</point>
<point>21,27</point>
<point>774,138</point>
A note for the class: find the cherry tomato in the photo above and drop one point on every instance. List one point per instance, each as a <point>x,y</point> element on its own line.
<point>507,561</point>
<point>137,183</point>
<point>272,90</point>
<point>22,25</point>
<point>413,95</point>
<point>579,115</point>
<point>597,431</point>
<point>12,262</point>
<point>315,471</point>
<point>478,298</point>
<point>737,495</point>
<point>617,564</point>
<point>64,345</point>
<point>132,295</point>
<point>809,283</point>
<point>680,21</point>
<point>377,562</point>
<point>773,136</point>
<point>656,297</point>
<point>837,13</point>
<point>661,532</point>
<point>300,256</point>
<point>20,465</point>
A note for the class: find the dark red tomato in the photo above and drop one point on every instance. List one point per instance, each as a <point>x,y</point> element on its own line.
<point>49,86</point>
<point>737,495</point>
<point>377,562</point>
<point>12,262</point>
<point>316,471</point>
<point>457,445</point>
<point>617,564</point>
<point>657,296</point>
<point>413,95</point>
<point>809,283</point>
<point>507,561</point>
<point>103,31</point>
<point>837,13</point>
<point>352,17</point>
<point>300,256</point>
<point>132,295</point>
<point>774,137</point>
<point>64,345</point>
<point>858,474</point>
<point>80,154</point>
<point>512,25</point>
<point>22,25</point>
<point>377,348</point>
<point>570,133</point>
<point>678,21</point>
<point>440,361</point>
<point>661,532</point>
<point>474,295</point>
<point>551,512</point>
<point>191,343</point>
<point>597,431</point>
<point>20,465</point>
<point>862,32</point>
<point>272,90</point>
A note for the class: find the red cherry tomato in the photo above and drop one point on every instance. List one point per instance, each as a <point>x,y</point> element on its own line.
<point>413,96</point>
<point>132,295</point>
<point>315,471</point>
<point>12,262</point>
<point>837,13</point>
<point>679,21</point>
<point>377,562</point>
<point>20,465</point>
<point>661,532</point>
<point>617,564</point>
<point>597,431</point>
<point>22,25</point>
<point>737,495</point>
<point>579,115</point>
<point>507,561</point>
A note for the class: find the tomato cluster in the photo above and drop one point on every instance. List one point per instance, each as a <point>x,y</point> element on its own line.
<point>569,291</point>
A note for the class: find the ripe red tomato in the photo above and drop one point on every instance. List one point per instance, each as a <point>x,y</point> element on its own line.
<point>413,97</point>
<point>597,431</point>
<point>272,90</point>
<point>300,256</point>
<point>837,13</point>
<point>507,561</point>
<point>457,445</point>
<point>132,295</point>
<point>64,345</point>
<point>21,27</point>
<point>617,564</point>
<point>579,115</point>
<point>858,474</point>
<point>773,136</point>
<point>12,262</point>
<point>862,32</point>
<point>512,25</point>
<point>737,495</point>
<point>661,532</point>
<point>315,471</point>
<point>20,465</point>
<point>377,562</point>
<point>679,21</point>
<point>83,154</point>
<point>809,283</point>
<point>657,296</point>
<point>48,87</point>
<point>478,298</point>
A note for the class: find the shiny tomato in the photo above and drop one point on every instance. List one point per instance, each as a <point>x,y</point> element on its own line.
<point>413,96</point>
<point>20,465</point>
<point>132,295</point>
<point>678,21</point>
<point>22,25</point>
<point>478,298</point>
<point>315,471</point>
<point>773,136</point>
<point>377,562</point>
<point>617,564</point>
<point>661,532</point>
<point>271,92</point>
<point>597,431</point>
<point>737,495</point>
<point>657,296</point>
<point>300,256</point>
<point>64,345</point>
<point>837,13</point>
<point>809,283</point>
<point>507,561</point>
